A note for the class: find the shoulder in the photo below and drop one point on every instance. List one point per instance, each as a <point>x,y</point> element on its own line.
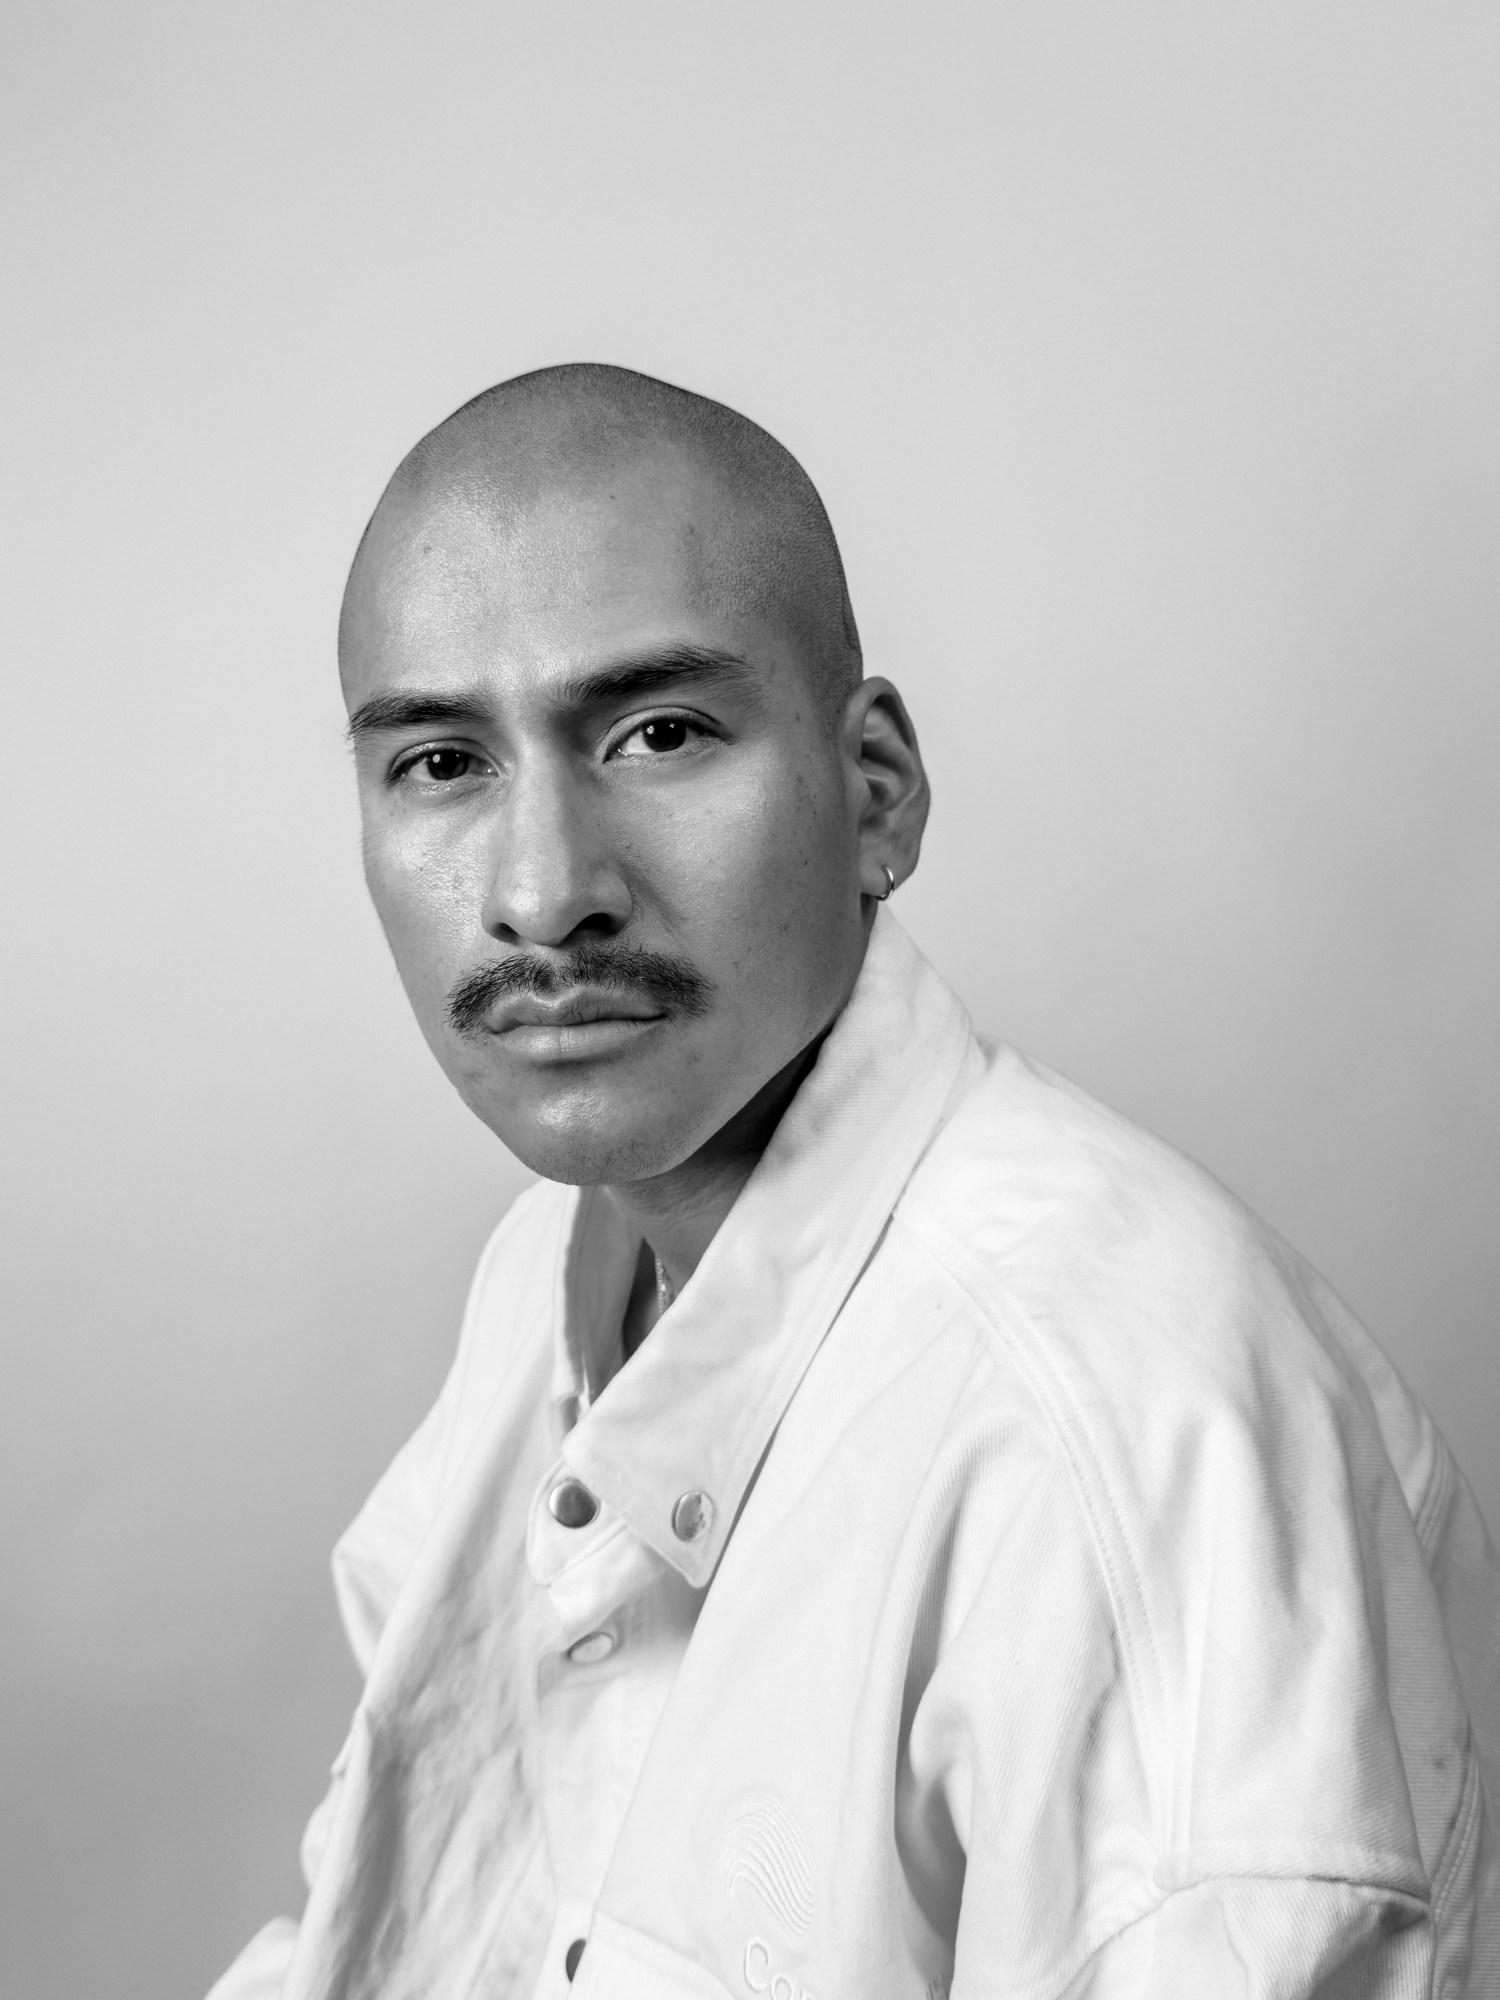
<point>1245,1462</point>
<point>1035,1175</point>
<point>1114,1268</point>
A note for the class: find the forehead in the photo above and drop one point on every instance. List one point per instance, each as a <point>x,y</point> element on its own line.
<point>476,579</point>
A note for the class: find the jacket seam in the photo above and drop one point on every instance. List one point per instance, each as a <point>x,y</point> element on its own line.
<point>1111,1926</point>
<point>1434,1502</point>
<point>1049,1391</point>
<point>1461,1835</point>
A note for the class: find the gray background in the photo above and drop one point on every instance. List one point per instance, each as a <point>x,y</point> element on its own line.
<point>1147,358</point>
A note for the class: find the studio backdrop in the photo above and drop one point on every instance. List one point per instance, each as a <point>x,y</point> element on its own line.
<point>1146,357</point>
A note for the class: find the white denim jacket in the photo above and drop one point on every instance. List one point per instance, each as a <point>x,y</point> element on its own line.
<point>1014,1573</point>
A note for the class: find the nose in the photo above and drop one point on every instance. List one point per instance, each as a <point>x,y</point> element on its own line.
<point>552,873</point>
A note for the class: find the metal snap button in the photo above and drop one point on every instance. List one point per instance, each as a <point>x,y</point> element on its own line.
<point>692,1517</point>
<point>571,1504</point>
<point>571,1957</point>
<point>594,1646</point>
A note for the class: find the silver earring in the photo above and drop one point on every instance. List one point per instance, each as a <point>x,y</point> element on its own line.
<point>890,881</point>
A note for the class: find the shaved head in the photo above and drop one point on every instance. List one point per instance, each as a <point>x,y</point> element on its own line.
<point>760,541</point>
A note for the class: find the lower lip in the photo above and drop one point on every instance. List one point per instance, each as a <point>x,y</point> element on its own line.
<point>579,1041</point>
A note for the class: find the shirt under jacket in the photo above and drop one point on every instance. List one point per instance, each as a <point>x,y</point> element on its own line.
<point>1014,1573</point>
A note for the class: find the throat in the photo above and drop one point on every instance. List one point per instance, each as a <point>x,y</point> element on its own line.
<point>647,1301</point>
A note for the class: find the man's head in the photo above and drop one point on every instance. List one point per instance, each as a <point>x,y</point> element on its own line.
<point>626,798</point>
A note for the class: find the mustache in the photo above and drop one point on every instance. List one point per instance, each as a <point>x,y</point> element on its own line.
<point>671,983</point>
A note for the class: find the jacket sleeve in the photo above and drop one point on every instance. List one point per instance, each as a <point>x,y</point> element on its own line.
<point>1029,1734</point>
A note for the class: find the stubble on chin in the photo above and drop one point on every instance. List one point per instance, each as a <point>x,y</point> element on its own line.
<point>582,1131</point>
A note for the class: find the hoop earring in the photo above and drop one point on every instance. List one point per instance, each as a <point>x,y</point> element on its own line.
<point>890,881</point>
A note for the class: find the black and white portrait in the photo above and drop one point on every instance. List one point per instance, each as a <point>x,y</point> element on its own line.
<point>751,1093</point>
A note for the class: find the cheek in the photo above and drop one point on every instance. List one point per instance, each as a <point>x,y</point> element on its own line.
<point>425,900</point>
<point>764,882</point>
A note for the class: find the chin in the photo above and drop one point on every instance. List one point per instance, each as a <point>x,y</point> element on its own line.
<point>591,1150</point>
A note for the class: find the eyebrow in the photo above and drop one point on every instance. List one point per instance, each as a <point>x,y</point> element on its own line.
<point>638,673</point>
<point>643,673</point>
<point>415,711</point>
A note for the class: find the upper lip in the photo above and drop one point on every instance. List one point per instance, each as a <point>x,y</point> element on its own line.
<point>572,1009</point>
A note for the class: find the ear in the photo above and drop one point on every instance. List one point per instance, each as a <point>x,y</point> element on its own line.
<point>888,784</point>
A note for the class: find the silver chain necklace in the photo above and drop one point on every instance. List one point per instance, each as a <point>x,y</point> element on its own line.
<point>666,1291</point>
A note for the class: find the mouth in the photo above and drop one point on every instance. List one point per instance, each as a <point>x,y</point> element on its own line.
<point>569,1027</point>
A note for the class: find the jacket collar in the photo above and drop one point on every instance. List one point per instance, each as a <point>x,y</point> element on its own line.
<point>695,1410</point>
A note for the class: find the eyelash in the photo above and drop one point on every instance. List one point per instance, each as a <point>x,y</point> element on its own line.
<point>405,766</point>
<point>694,725</point>
<point>408,764</point>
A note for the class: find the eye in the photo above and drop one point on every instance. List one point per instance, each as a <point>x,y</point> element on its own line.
<point>656,738</point>
<point>442,764</point>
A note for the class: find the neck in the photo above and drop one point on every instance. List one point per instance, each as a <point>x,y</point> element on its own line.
<point>679,1213</point>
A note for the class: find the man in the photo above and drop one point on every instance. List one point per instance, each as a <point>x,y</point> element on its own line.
<point>891,1528</point>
